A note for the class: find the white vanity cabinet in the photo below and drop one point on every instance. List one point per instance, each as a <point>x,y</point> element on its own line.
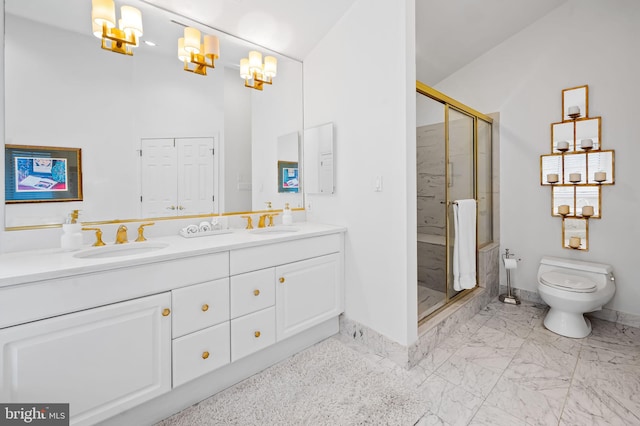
<point>307,279</point>
<point>102,360</point>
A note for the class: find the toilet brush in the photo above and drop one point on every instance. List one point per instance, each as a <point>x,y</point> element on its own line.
<point>509,264</point>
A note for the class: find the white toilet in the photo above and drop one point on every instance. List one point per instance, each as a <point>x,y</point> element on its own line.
<point>572,288</point>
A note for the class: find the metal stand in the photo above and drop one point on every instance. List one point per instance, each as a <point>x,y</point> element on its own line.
<point>509,297</point>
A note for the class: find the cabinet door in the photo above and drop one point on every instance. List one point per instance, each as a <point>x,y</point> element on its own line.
<point>101,361</point>
<point>307,293</point>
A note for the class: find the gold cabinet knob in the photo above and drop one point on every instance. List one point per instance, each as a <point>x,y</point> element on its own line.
<point>205,307</point>
<point>256,292</point>
<point>166,312</point>
<point>281,279</point>
<point>205,355</point>
<point>257,334</point>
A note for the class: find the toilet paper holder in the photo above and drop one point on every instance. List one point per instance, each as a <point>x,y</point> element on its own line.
<point>509,297</point>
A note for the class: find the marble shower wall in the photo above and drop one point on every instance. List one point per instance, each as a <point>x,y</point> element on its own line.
<point>432,263</point>
<point>431,179</point>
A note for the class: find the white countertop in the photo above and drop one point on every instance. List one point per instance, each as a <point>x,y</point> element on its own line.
<point>37,265</point>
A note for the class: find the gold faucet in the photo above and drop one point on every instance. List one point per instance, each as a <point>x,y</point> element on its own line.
<point>271,216</point>
<point>261,220</point>
<point>74,216</point>
<point>141,231</point>
<point>249,222</point>
<point>121,235</point>
<point>99,241</point>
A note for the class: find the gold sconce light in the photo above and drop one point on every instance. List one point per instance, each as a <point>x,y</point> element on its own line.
<point>259,73</point>
<point>201,55</point>
<point>118,39</point>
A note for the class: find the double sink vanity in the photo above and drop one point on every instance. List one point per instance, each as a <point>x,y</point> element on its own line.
<point>130,334</point>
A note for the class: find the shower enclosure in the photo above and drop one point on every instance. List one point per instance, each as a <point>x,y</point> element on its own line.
<point>453,163</point>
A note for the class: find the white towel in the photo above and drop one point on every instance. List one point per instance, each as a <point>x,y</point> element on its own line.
<point>464,245</point>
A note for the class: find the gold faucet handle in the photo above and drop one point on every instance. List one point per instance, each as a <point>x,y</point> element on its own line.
<point>121,235</point>
<point>249,222</point>
<point>141,231</point>
<point>99,241</point>
<point>261,220</point>
<point>271,216</point>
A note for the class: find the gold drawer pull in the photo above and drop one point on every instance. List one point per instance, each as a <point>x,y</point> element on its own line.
<point>256,292</point>
<point>205,307</point>
<point>205,355</point>
<point>281,279</point>
<point>257,334</point>
<point>166,312</point>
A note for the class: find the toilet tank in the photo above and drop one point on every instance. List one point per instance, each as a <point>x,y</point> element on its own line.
<point>598,272</point>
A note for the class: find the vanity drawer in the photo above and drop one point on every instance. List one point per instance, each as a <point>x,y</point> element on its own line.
<point>261,257</point>
<point>200,353</point>
<point>252,292</point>
<point>252,333</point>
<point>200,306</point>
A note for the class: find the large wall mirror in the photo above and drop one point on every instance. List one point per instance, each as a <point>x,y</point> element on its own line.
<point>63,90</point>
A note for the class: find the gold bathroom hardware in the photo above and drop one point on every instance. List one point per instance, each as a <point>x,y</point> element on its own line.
<point>257,334</point>
<point>252,68</point>
<point>268,203</point>
<point>281,279</point>
<point>205,355</point>
<point>74,216</point>
<point>99,241</point>
<point>141,231</point>
<point>121,235</point>
<point>271,216</point>
<point>256,292</point>
<point>249,222</point>
<point>166,312</point>
<point>201,55</point>
<point>261,220</point>
<point>205,307</point>
<point>116,38</point>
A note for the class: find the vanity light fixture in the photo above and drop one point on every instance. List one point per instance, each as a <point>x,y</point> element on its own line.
<point>118,39</point>
<point>252,68</point>
<point>201,55</point>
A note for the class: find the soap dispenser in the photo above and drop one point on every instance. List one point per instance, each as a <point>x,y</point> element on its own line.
<point>71,238</point>
<point>287,217</point>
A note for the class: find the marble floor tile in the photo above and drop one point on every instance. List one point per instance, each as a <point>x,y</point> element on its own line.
<point>470,376</point>
<point>506,325</point>
<point>492,416</point>
<point>431,419</point>
<point>585,406</point>
<point>449,402</point>
<point>436,358</point>
<point>535,404</point>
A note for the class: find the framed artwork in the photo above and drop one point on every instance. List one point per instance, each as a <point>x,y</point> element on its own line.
<point>288,177</point>
<point>36,174</point>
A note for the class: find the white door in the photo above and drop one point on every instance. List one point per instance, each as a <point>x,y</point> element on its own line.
<point>307,293</point>
<point>101,361</point>
<point>195,176</point>
<point>159,167</point>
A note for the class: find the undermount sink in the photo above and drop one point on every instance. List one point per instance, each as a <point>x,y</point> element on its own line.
<point>129,249</point>
<point>270,230</point>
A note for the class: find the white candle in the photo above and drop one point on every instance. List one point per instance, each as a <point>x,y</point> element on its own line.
<point>574,242</point>
<point>563,145</point>
<point>586,144</point>
<point>574,110</point>
<point>552,178</point>
<point>587,211</point>
<point>575,177</point>
<point>563,209</point>
<point>600,176</point>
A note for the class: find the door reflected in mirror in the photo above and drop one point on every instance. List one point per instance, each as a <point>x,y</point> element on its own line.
<point>318,159</point>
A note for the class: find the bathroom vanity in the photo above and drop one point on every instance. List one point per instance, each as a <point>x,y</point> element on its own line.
<point>133,338</point>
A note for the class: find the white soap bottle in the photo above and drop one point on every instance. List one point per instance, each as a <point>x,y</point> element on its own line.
<point>287,217</point>
<point>71,238</point>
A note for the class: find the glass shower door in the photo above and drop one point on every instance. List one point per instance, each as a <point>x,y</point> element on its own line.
<point>460,175</point>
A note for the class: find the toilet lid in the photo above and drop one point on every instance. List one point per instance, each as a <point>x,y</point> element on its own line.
<point>567,282</point>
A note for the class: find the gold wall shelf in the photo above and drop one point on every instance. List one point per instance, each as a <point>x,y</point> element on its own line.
<point>577,168</point>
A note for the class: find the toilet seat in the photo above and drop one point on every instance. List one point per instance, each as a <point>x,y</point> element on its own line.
<point>568,282</point>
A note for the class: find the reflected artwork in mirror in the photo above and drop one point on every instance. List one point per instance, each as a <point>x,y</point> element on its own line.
<point>107,105</point>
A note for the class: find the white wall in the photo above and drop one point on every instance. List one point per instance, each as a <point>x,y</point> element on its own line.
<point>236,150</point>
<point>361,77</point>
<point>582,42</point>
